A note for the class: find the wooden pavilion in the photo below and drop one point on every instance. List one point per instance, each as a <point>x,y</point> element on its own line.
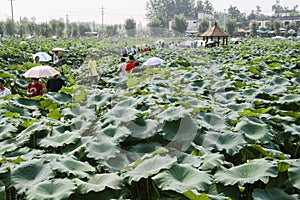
<point>215,32</point>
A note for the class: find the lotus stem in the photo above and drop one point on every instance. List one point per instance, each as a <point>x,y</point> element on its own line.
<point>297,149</point>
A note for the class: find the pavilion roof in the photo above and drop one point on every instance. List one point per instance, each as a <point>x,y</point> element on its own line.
<point>215,31</point>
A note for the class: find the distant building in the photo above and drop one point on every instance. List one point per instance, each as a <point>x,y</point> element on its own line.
<point>193,23</point>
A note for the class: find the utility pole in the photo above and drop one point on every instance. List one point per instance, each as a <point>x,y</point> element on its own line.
<point>102,12</point>
<point>67,25</point>
<point>12,11</point>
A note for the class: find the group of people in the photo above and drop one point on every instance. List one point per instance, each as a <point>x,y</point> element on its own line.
<point>36,87</point>
<point>127,67</point>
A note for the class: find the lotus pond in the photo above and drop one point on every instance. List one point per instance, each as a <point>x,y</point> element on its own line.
<point>212,123</point>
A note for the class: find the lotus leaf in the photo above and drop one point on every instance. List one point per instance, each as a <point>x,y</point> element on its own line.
<point>52,189</point>
<point>6,131</point>
<point>72,167</point>
<point>211,161</point>
<point>116,134</point>
<point>272,194</point>
<point>182,178</point>
<point>2,191</point>
<point>254,131</point>
<point>59,140</point>
<point>214,121</point>
<point>102,150</point>
<point>100,182</point>
<point>149,167</point>
<point>229,141</point>
<point>294,174</point>
<point>180,133</point>
<point>250,172</point>
<point>121,114</point>
<point>30,173</point>
<point>173,114</point>
<point>143,128</point>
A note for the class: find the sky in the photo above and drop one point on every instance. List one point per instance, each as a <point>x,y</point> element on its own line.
<point>114,11</point>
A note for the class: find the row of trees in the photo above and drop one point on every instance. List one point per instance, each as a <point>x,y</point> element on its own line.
<point>159,13</point>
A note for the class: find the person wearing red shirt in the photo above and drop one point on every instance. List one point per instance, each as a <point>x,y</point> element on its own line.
<point>35,88</point>
<point>130,65</point>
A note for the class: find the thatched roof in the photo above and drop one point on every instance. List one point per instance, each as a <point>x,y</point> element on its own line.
<point>215,31</point>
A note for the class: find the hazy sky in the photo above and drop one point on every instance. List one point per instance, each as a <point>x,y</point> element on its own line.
<point>115,11</point>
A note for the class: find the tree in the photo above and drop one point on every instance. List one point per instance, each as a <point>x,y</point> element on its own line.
<point>204,25</point>
<point>83,27</point>
<point>111,30</point>
<point>57,27</point>
<point>156,26</point>
<point>73,29</point>
<point>130,26</point>
<point>180,24</point>
<point>254,27</point>
<point>277,7</point>
<point>231,26</point>
<point>208,7</point>
<point>2,25</point>
<point>9,27</point>
<point>199,8</point>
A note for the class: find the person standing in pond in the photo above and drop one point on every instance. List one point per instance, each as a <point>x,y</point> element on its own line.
<point>3,90</point>
<point>35,88</point>
<point>55,84</point>
<point>130,65</point>
<point>37,59</point>
<point>122,67</point>
<point>93,70</point>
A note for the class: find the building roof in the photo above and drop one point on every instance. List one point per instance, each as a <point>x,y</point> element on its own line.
<point>215,31</point>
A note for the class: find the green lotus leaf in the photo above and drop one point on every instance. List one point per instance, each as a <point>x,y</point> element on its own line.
<point>254,131</point>
<point>99,100</point>
<point>105,194</point>
<point>211,161</point>
<point>59,140</point>
<point>121,114</point>
<point>289,98</point>
<point>6,131</point>
<point>100,182</point>
<point>21,83</point>
<point>294,174</point>
<point>181,132</point>
<point>173,114</point>
<point>102,150</point>
<point>115,164</point>
<point>52,189</point>
<point>149,167</point>
<point>250,172</point>
<point>61,98</point>
<point>72,167</point>
<point>21,111</point>
<point>142,128</point>
<point>184,158</point>
<point>182,178</point>
<point>26,103</point>
<point>272,194</point>
<point>37,127</point>
<point>115,133</point>
<point>229,141</point>
<point>2,191</point>
<point>277,80</point>
<point>192,196</point>
<point>293,129</point>
<point>8,145</point>
<point>212,121</point>
<point>145,148</point>
<point>30,173</point>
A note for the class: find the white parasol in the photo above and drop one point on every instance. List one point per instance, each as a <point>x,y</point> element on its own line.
<point>44,57</point>
<point>40,71</point>
<point>153,61</point>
